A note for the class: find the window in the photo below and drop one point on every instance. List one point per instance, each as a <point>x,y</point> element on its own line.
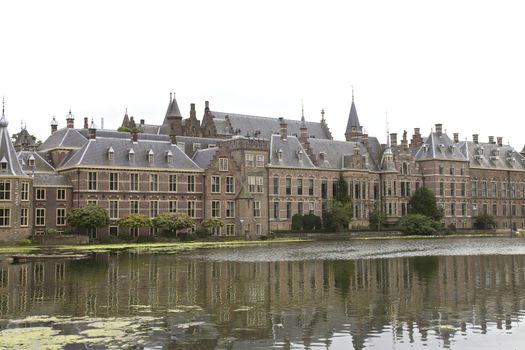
<point>113,209</point>
<point>258,229</point>
<point>215,209</point>
<point>257,209</point>
<point>522,190</point>
<point>230,209</point>
<point>196,146</point>
<point>172,206</point>
<point>462,171</point>
<point>133,207</point>
<point>134,182</point>
<point>255,184</point>
<point>288,186</point>
<point>92,202</point>
<point>452,170</point>
<point>441,188</point>
<point>404,168</point>
<point>153,209</point>
<point>300,208</point>
<point>276,185</point>
<point>3,164</point>
<point>484,189</point>
<point>230,187</point>
<point>230,229</point>
<point>311,207</point>
<point>191,183</point>
<point>324,189</point>
<point>453,209</point>
<point>151,156</point>
<point>40,217</point>
<point>215,184</point>
<point>41,193</point>
<point>464,209</point>
<point>311,187</point>
<point>223,164</point>
<point>441,169</point>
<point>260,161</point>
<point>153,182</point>
<point>474,185</point>
<point>276,210</point>
<point>24,193</point>
<point>24,217</point>
<point>494,190</point>
<point>463,189</point>
<point>260,184</point>
<point>504,190</point>
<point>92,181</point>
<point>113,181</point>
<point>495,209</point>
<point>5,217</point>
<point>299,187</point>
<point>288,210</point>
<point>191,209</point>
<point>248,160</point>
<point>113,230</point>
<point>61,194</point>
<point>173,183</point>
<point>453,189</point>
<point>61,216</point>
<point>513,190</point>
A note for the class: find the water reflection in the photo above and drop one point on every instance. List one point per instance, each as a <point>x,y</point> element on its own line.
<point>199,304</point>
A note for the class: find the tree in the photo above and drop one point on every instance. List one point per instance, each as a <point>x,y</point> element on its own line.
<point>134,221</point>
<point>211,223</point>
<point>341,193</point>
<point>173,221</point>
<point>297,222</point>
<point>311,222</point>
<point>376,218</point>
<point>424,202</point>
<point>340,210</point>
<point>484,222</point>
<point>419,224</point>
<point>89,217</point>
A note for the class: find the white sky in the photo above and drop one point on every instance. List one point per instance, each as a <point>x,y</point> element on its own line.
<point>460,63</point>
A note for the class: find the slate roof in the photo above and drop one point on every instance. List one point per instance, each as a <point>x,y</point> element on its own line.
<point>437,146</point>
<point>41,163</point>
<point>335,152</point>
<point>523,150</point>
<point>388,165</point>
<point>205,142</point>
<point>290,149</point>
<point>263,127</point>
<point>353,119</point>
<point>24,138</point>
<point>51,179</point>
<point>95,153</point>
<point>490,155</point>
<point>64,138</point>
<point>7,152</point>
<point>203,157</point>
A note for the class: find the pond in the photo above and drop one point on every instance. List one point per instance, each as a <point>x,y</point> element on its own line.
<point>359,294</point>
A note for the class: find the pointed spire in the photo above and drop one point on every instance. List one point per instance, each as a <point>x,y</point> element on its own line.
<point>302,110</point>
<point>322,115</point>
<point>353,127</point>
<point>352,93</point>
<point>3,121</point>
<point>173,108</point>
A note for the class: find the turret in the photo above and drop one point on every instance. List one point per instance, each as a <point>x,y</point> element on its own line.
<point>54,125</point>
<point>353,127</point>
<point>70,120</point>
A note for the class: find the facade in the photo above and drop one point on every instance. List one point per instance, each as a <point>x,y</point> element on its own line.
<point>253,172</point>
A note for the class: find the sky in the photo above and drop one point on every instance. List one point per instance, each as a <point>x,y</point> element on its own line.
<point>413,63</point>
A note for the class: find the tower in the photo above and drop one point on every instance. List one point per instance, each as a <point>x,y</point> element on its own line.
<point>353,127</point>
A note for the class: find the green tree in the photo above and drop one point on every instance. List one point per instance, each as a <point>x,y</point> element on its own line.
<point>89,217</point>
<point>340,210</point>
<point>424,202</point>
<point>134,221</point>
<point>297,222</point>
<point>484,222</point>
<point>211,223</point>
<point>341,193</point>
<point>376,218</point>
<point>418,224</point>
<point>173,221</point>
<point>311,222</point>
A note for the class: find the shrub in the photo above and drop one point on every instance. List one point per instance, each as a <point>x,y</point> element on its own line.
<point>311,222</point>
<point>484,222</point>
<point>202,232</point>
<point>297,222</point>
<point>418,224</point>
<point>51,231</point>
<point>24,242</point>
<point>145,239</point>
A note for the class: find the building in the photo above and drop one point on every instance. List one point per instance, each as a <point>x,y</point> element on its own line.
<point>254,172</point>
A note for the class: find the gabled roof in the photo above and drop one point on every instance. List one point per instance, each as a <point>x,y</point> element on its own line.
<point>291,152</point>
<point>440,146</point>
<point>336,151</point>
<point>204,142</point>
<point>64,138</point>
<point>41,164</point>
<point>24,138</point>
<point>203,157</point>
<point>95,153</point>
<point>7,152</point>
<point>491,155</point>
<point>262,127</point>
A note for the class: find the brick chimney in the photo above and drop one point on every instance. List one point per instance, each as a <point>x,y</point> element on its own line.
<point>86,123</point>
<point>416,140</point>
<point>193,114</point>
<point>491,140</point>
<point>173,139</point>
<point>70,120</point>
<point>92,131</point>
<point>134,135</point>
<point>393,139</point>
<point>475,138</point>
<point>439,129</point>
<point>500,141</point>
<point>283,129</point>
<point>54,125</point>
<point>456,137</point>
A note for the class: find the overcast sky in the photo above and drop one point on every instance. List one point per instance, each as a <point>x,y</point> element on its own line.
<point>460,63</point>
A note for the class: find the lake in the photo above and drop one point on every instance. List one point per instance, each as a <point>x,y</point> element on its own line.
<point>458,293</point>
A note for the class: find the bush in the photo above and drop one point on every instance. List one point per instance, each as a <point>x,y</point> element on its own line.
<point>414,224</point>
<point>126,237</point>
<point>145,239</point>
<point>202,232</point>
<point>311,222</point>
<point>24,242</point>
<point>484,222</point>
<point>297,222</point>
<point>187,237</point>
<point>51,232</point>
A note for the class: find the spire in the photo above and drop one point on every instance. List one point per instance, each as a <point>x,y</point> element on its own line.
<point>3,121</point>
<point>352,94</point>
<point>173,108</point>
<point>353,127</point>
<point>322,115</point>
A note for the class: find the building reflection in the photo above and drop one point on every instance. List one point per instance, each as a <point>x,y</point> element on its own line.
<point>305,302</point>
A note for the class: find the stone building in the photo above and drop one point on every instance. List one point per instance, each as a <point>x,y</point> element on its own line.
<point>254,172</point>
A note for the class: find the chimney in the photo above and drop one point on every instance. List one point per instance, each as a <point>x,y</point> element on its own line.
<point>54,125</point>
<point>70,121</point>
<point>491,140</point>
<point>416,140</point>
<point>134,135</point>
<point>500,141</point>
<point>102,123</point>
<point>206,106</point>
<point>86,123</point>
<point>173,139</point>
<point>92,131</point>
<point>456,137</point>
<point>393,139</point>
<point>439,129</point>
<point>193,114</point>
<point>283,129</point>
<point>365,139</point>
<point>475,138</point>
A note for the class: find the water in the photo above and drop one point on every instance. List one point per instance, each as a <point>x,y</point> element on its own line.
<point>387,294</point>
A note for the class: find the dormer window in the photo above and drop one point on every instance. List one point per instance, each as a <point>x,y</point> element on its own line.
<point>196,146</point>
<point>322,156</point>
<point>280,154</point>
<point>300,155</point>
<point>169,157</point>
<point>131,155</point>
<point>181,145</point>
<point>111,153</point>
<point>3,164</point>
<point>31,161</point>
<point>151,156</point>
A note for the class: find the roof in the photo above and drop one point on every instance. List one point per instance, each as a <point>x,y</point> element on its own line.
<point>440,146</point>
<point>291,151</point>
<point>7,152</point>
<point>263,127</point>
<point>491,155</point>
<point>336,151</point>
<point>95,153</point>
<point>51,179</point>
<point>353,119</point>
<point>64,138</point>
<point>40,165</point>
<point>203,143</point>
<point>203,157</point>
<point>24,138</point>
